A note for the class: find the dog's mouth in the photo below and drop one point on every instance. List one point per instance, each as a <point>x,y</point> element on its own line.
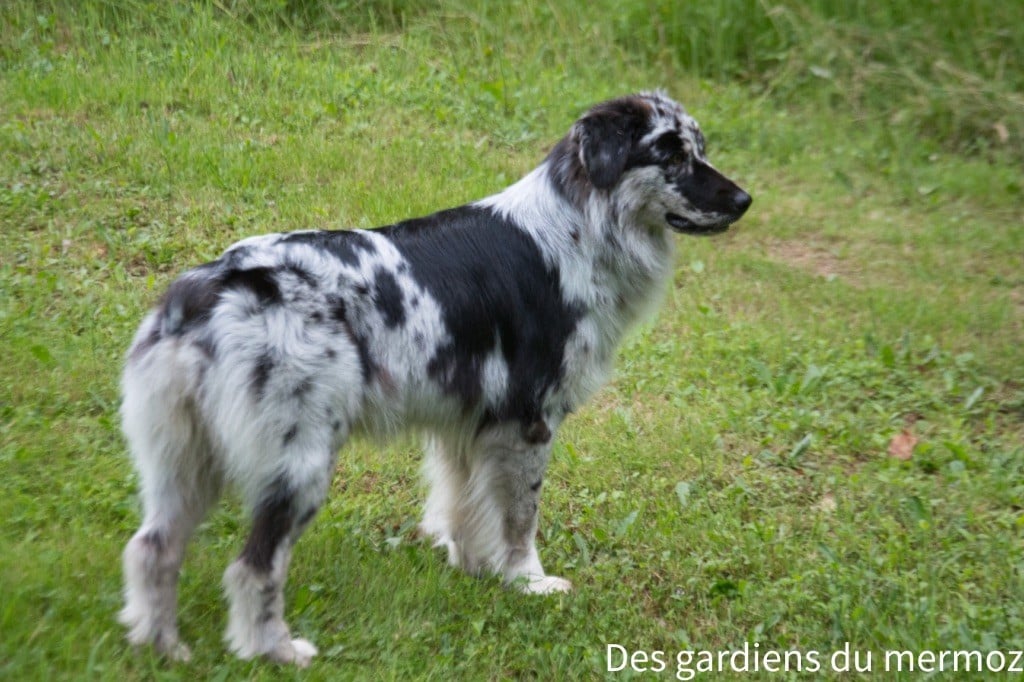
<point>686,226</point>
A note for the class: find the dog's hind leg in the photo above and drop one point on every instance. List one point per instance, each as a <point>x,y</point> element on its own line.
<point>254,583</point>
<point>179,482</point>
<point>496,516</point>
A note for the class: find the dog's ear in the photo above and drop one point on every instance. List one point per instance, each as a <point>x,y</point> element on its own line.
<point>605,138</point>
<point>604,145</point>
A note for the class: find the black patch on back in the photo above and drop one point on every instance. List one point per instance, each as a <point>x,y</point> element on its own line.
<point>345,245</point>
<point>387,297</point>
<point>189,301</point>
<point>261,281</point>
<point>492,284</point>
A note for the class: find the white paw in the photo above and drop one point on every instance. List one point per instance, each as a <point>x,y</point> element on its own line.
<point>297,651</point>
<point>304,650</point>
<point>546,584</point>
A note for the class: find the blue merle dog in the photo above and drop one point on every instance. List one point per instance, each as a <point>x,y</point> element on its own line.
<point>481,326</point>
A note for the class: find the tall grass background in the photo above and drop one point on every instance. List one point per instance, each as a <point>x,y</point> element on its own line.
<point>950,72</point>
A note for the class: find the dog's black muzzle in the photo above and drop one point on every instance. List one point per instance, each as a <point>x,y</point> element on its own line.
<point>712,194</point>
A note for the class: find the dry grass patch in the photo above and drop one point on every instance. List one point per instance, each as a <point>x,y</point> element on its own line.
<point>816,258</point>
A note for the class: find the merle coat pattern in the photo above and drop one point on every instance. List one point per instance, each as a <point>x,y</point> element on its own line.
<point>482,326</point>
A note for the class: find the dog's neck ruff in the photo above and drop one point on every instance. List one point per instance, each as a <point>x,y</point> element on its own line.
<point>611,263</point>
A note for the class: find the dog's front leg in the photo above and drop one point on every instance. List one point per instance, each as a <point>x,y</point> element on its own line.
<point>494,524</point>
<point>520,566</point>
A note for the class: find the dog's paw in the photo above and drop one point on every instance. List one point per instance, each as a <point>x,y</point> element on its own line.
<point>165,642</point>
<point>299,652</point>
<point>547,584</point>
<point>178,652</point>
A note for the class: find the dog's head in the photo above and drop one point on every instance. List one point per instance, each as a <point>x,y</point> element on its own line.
<point>647,153</point>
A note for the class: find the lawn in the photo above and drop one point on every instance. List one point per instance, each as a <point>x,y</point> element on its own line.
<point>817,446</point>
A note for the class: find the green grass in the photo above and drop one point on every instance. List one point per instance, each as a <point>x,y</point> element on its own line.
<point>942,70</point>
<point>731,485</point>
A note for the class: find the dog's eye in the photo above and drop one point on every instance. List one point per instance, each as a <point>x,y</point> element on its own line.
<point>678,158</point>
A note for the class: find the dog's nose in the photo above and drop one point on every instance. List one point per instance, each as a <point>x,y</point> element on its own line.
<point>741,201</point>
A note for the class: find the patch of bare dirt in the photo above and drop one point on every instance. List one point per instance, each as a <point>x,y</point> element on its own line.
<point>814,258</point>
<point>1017,296</point>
